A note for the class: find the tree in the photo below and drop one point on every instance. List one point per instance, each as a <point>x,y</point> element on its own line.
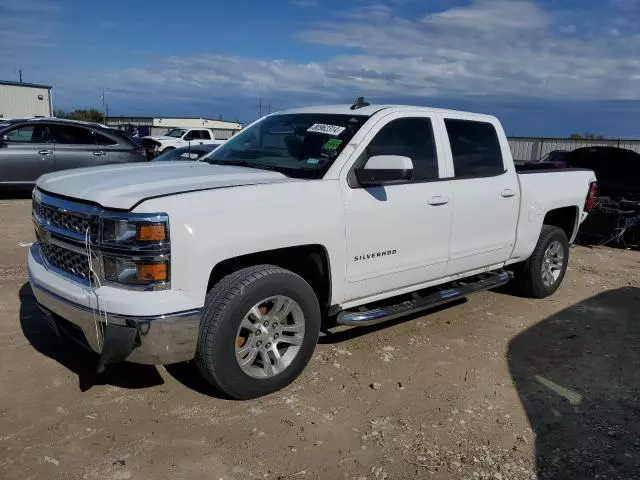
<point>91,115</point>
<point>586,136</point>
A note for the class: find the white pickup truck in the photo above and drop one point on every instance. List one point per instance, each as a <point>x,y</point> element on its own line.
<point>178,137</point>
<point>307,218</point>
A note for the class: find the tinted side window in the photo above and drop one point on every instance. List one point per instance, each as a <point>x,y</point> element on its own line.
<point>30,134</point>
<point>205,135</point>
<point>408,137</point>
<point>21,134</point>
<point>70,135</point>
<point>103,140</point>
<point>475,148</point>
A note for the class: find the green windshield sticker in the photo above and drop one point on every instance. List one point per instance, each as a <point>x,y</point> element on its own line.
<point>331,145</point>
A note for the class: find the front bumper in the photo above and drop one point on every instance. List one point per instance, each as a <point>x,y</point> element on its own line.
<point>148,339</point>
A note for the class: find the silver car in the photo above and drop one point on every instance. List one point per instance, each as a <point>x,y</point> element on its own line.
<point>32,147</point>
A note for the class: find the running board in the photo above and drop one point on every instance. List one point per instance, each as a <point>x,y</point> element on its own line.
<point>424,299</point>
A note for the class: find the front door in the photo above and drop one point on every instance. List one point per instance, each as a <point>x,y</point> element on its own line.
<point>26,153</point>
<point>397,235</point>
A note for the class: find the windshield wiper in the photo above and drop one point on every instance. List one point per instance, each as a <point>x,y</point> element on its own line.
<point>244,163</point>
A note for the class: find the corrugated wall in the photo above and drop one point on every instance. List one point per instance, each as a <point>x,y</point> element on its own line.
<point>20,101</point>
<point>531,148</point>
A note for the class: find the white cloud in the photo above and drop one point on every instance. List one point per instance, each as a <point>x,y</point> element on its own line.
<point>492,14</point>
<point>305,3</point>
<point>507,48</point>
<point>568,29</point>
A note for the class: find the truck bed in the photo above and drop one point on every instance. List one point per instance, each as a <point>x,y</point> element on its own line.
<point>543,190</point>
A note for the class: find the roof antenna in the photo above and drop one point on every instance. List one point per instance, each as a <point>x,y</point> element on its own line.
<point>359,103</point>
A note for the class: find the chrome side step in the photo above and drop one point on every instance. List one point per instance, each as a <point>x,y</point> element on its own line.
<point>423,299</point>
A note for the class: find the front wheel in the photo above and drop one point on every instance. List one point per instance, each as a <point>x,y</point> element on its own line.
<point>541,275</point>
<point>258,331</point>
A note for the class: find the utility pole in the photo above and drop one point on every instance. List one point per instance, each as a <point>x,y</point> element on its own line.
<point>103,99</point>
<point>269,107</point>
<point>105,107</point>
<point>260,108</point>
<point>20,74</point>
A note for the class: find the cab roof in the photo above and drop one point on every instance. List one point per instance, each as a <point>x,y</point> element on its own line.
<point>370,110</point>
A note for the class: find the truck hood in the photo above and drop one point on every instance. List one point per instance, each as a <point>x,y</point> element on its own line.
<point>160,138</point>
<point>124,186</point>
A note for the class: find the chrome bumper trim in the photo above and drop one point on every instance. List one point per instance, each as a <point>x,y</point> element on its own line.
<point>162,339</point>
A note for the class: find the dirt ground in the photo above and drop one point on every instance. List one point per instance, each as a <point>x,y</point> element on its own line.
<point>498,387</point>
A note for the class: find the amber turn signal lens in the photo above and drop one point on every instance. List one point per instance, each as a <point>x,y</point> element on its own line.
<point>154,272</point>
<point>151,233</point>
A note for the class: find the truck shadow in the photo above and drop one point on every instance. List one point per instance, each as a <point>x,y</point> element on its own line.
<point>578,377</point>
<point>76,358</point>
<point>187,373</point>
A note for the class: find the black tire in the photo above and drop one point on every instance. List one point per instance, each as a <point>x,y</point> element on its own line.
<point>226,305</point>
<point>528,276</point>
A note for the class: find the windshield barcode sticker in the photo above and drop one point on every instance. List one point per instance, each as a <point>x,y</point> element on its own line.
<point>334,130</point>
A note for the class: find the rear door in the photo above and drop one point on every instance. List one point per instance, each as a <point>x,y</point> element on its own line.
<point>206,136</point>
<point>486,194</point>
<point>76,147</point>
<point>116,148</point>
<point>197,137</point>
<point>27,153</point>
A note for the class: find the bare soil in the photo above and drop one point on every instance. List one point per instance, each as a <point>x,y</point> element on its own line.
<point>498,387</point>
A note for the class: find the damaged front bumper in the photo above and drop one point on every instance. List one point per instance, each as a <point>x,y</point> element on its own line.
<point>153,339</point>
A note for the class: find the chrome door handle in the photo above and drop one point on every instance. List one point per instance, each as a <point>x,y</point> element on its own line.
<point>45,152</point>
<point>99,153</point>
<point>507,192</point>
<point>438,200</point>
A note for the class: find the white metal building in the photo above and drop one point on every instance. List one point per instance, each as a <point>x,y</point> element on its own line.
<point>222,129</point>
<point>24,100</point>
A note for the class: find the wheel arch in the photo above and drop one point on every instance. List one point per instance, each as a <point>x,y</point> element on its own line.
<point>310,261</point>
<point>565,218</point>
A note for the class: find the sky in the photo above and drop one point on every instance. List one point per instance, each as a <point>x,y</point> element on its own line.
<point>544,67</point>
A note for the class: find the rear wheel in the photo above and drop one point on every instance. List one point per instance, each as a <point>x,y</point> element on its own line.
<point>259,329</point>
<point>542,274</point>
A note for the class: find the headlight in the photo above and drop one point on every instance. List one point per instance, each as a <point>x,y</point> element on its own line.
<point>131,231</point>
<point>135,250</point>
<point>135,272</point>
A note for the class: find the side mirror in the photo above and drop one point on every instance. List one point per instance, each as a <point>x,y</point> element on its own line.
<point>385,170</point>
<point>4,139</point>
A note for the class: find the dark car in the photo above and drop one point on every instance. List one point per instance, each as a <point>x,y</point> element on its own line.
<point>33,147</point>
<point>185,153</point>
<point>555,158</point>
<point>617,169</point>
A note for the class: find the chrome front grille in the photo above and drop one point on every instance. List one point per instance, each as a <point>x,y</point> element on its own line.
<point>71,221</point>
<point>61,227</point>
<point>69,261</point>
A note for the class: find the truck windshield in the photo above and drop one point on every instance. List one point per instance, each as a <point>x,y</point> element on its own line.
<point>175,132</point>
<point>298,144</point>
